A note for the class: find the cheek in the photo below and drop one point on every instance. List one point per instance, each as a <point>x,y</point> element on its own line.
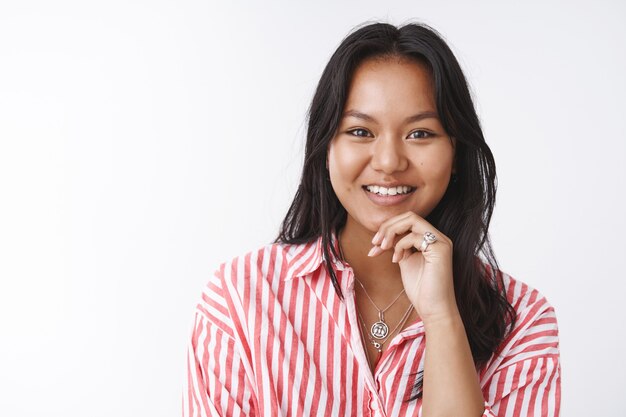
<point>436,173</point>
<point>345,166</point>
<point>436,166</point>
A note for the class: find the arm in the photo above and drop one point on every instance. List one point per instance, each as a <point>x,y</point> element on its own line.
<point>526,383</point>
<point>451,386</point>
<point>216,383</point>
<point>531,387</point>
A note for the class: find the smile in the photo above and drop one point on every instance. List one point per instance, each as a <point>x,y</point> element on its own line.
<point>388,196</point>
<point>402,189</point>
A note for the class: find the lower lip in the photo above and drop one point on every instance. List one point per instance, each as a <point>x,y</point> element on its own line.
<point>387,200</point>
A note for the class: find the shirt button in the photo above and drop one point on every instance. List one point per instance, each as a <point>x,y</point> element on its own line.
<point>373,405</point>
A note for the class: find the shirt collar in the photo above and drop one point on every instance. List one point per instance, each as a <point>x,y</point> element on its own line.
<point>304,259</point>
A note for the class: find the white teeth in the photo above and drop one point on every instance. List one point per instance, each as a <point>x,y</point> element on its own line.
<point>403,189</point>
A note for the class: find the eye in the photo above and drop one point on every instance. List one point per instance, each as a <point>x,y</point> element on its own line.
<point>421,134</point>
<point>358,132</point>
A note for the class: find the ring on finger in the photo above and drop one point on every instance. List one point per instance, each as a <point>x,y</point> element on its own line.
<point>428,239</point>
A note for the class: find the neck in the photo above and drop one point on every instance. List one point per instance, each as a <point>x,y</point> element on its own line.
<point>378,274</point>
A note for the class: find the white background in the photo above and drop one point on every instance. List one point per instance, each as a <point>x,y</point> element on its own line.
<point>143,142</point>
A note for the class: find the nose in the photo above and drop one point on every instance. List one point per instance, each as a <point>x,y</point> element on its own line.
<point>388,155</point>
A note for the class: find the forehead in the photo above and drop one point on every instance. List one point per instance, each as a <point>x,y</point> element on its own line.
<point>391,86</point>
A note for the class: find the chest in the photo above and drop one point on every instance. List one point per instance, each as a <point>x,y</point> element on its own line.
<point>309,351</point>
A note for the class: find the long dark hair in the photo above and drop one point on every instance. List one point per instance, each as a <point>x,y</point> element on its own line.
<point>464,212</point>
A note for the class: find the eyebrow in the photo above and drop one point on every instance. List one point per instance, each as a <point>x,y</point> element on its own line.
<point>411,119</point>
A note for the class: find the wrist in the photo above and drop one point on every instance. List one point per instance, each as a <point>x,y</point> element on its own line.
<point>445,317</point>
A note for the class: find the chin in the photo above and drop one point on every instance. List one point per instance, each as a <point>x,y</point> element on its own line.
<point>374,223</point>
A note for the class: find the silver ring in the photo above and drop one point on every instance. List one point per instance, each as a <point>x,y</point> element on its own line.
<point>428,239</point>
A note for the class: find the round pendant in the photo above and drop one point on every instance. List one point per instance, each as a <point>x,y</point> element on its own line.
<point>379,330</point>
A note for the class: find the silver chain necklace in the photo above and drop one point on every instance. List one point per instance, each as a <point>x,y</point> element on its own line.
<point>379,330</point>
<point>378,345</point>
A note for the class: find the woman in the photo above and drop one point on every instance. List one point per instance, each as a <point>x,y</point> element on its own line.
<point>374,300</point>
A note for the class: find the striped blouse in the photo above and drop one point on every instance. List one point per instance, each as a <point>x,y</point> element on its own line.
<point>272,338</point>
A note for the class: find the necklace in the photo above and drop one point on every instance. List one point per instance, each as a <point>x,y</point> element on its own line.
<point>379,330</point>
<point>379,344</point>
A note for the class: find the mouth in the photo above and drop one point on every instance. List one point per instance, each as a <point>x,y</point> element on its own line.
<point>383,196</point>
<point>389,191</point>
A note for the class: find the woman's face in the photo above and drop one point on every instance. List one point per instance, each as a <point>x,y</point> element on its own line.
<point>389,136</point>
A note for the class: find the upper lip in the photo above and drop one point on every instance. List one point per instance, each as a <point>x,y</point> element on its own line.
<point>389,185</point>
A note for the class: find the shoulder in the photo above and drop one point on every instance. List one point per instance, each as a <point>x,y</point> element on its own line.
<point>235,285</point>
<point>535,331</point>
<point>269,264</point>
<point>253,262</point>
<point>524,373</point>
<point>523,297</point>
<point>273,261</point>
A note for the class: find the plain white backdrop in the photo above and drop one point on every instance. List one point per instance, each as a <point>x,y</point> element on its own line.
<point>143,142</point>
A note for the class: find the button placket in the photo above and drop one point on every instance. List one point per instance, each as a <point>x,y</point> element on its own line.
<point>374,404</point>
<point>355,337</point>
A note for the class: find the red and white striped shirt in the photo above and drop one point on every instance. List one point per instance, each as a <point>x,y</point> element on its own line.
<point>272,338</point>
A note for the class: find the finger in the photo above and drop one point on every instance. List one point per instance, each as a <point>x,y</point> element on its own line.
<point>379,236</point>
<point>414,239</point>
<point>406,244</point>
<point>421,226</point>
<point>402,255</point>
<point>399,227</point>
<point>375,251</point>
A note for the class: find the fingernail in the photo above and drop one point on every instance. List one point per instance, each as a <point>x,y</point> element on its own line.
<point>374,240</point>
<point>373,251</point>
<point>382,244</point>
<point>394,258</point>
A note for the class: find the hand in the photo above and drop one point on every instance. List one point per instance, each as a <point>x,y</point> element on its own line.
<point>427,276</point>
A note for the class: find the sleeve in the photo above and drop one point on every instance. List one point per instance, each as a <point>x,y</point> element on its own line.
<point>216,383</point>
<point>527,382</point>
